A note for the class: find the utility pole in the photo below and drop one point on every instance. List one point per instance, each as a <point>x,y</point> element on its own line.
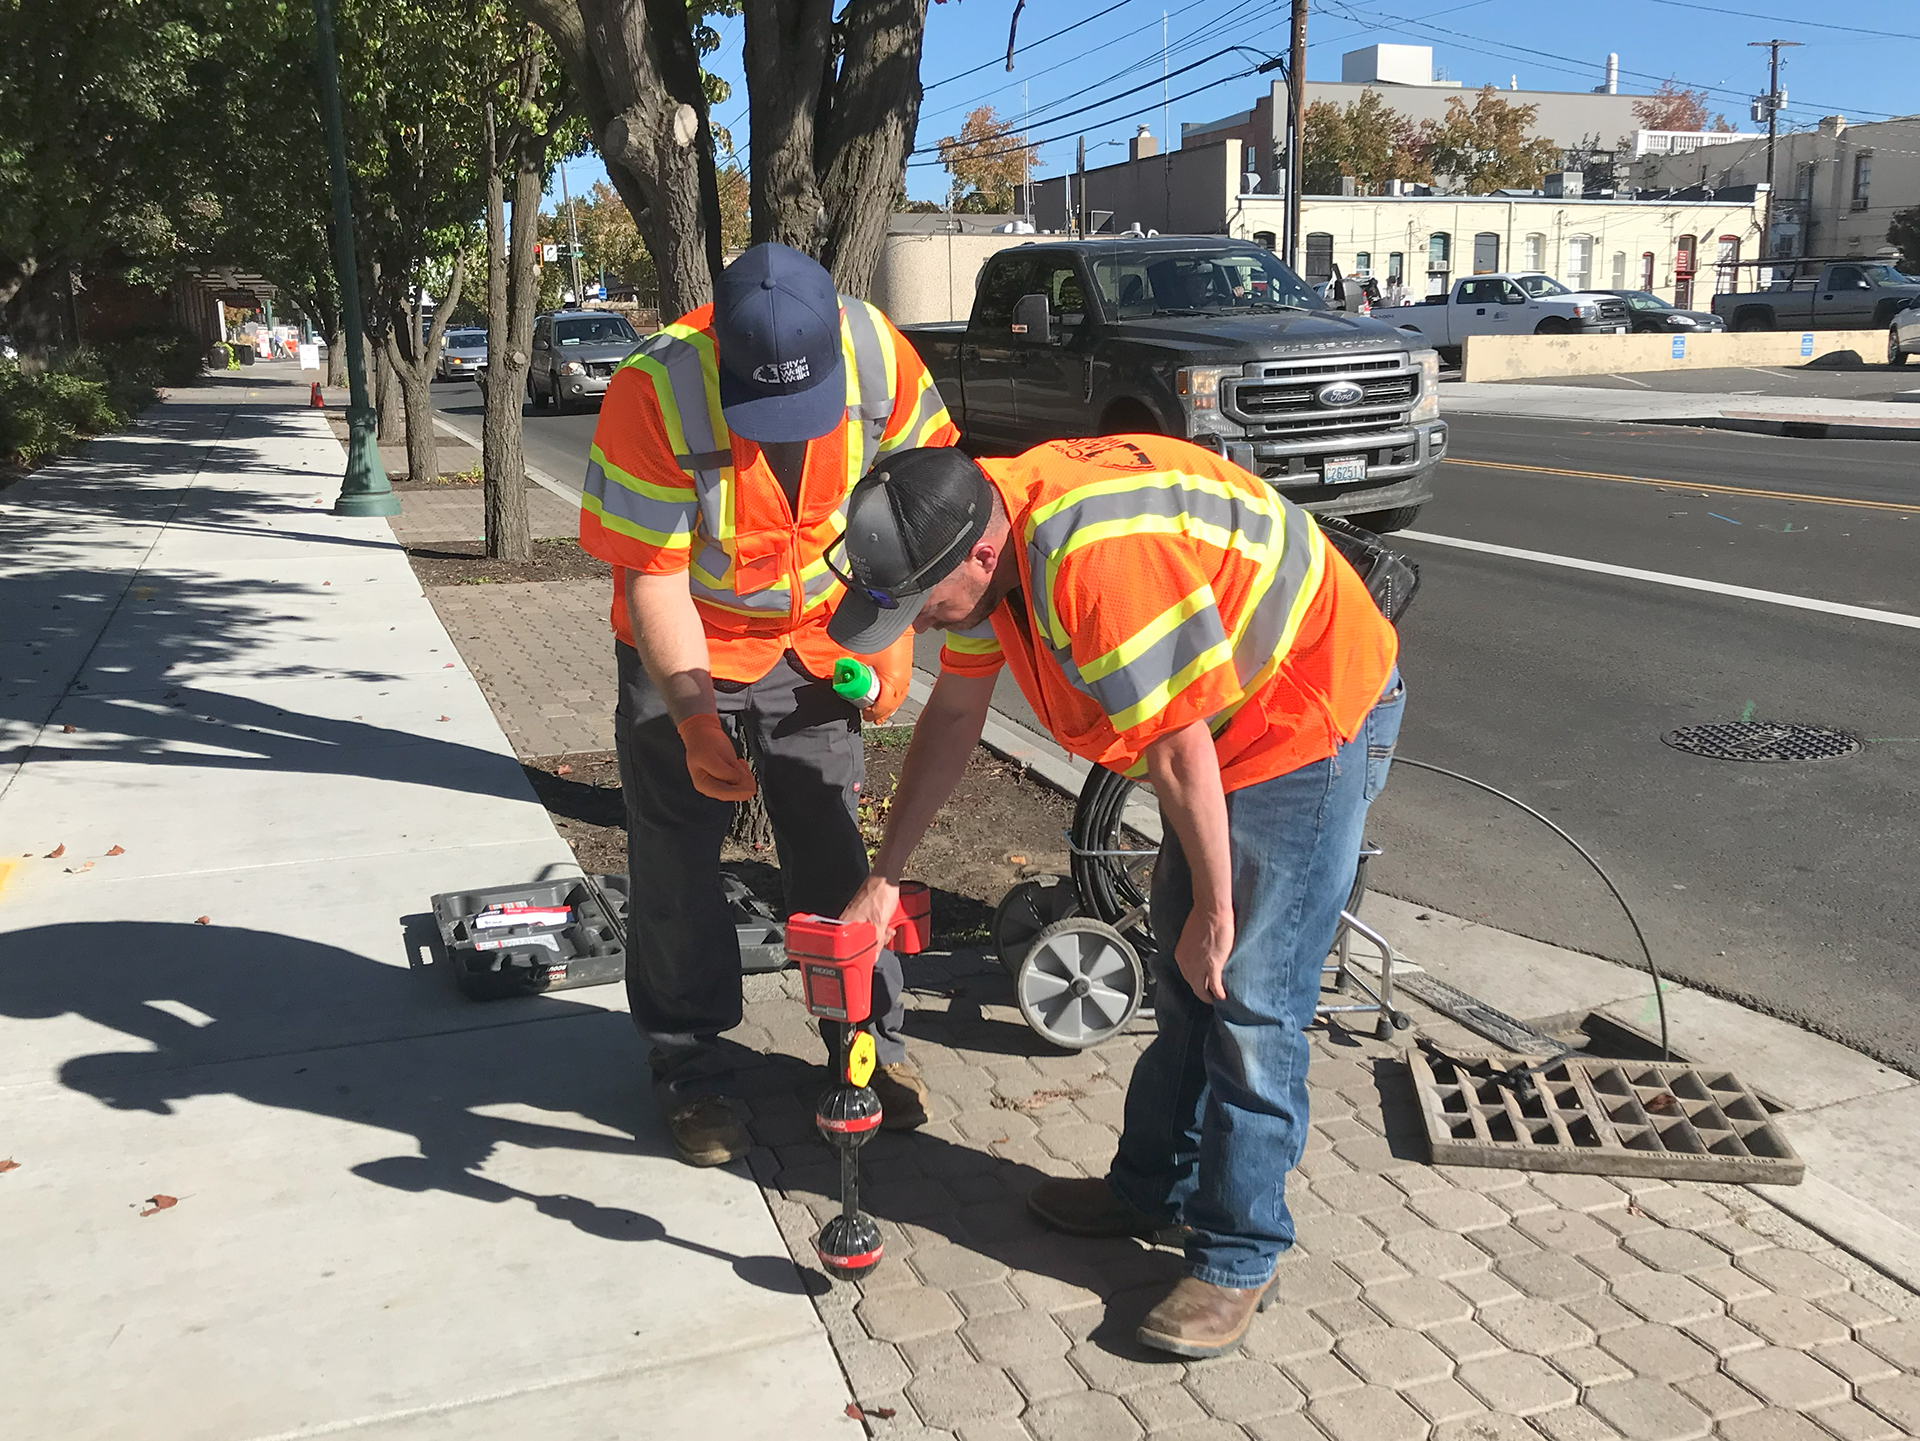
<point>573,239</point>
<point>1296,109</point>
<point>365,491</point>
<point>1080,169</point>
<point>1771,101</point>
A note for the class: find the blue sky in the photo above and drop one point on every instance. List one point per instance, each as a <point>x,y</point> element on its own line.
<point>1863,72</point>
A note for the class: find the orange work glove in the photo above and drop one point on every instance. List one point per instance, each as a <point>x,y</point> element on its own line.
<point>893,668</point>
<point>716,767</point>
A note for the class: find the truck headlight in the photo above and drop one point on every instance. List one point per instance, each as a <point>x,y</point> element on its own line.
<point>1427,407</point>
<point>1588,312</point>
<point>573,367</point>
<point>1198,386</point>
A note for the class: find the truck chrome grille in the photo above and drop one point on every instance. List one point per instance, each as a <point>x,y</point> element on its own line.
<point>1613,311</point>
<point>1278,398</point>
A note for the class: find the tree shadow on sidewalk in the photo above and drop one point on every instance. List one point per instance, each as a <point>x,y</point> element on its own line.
<point>301,1026</point>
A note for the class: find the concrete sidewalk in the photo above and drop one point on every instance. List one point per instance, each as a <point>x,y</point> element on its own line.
<point>1809,417</point>
<point>238,753</point>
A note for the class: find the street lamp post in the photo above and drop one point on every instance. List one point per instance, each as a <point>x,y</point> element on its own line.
<point>365,490</point>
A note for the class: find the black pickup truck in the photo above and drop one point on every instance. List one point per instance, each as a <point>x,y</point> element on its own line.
<point>1202,337</point>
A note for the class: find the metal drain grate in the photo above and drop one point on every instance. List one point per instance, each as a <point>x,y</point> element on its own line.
<point>1671,1120</point>
<point>1762,741</point>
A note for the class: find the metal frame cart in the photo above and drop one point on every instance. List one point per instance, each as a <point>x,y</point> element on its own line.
<point>1074,946</point>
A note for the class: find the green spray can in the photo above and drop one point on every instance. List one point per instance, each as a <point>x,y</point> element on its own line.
<point>855,683</point>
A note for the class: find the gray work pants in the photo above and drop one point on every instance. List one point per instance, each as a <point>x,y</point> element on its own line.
<point>683,955</point>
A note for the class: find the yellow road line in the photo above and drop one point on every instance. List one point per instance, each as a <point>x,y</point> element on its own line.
<point>1692,485</point>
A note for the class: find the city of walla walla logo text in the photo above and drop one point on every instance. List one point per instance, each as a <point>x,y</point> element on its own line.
<point>783,372</point>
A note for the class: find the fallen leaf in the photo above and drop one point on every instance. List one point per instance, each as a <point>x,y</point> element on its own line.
<point>446,717</point>
<point>8,1165</point>
<point>326,582</point>
<point>1664,1105</point>
<point>1633,1208</point>
<point>853,1410</point>
<point>66,730</point>
<point>879,1413</point>
<point>203,920</point>
<point>118,851</point>
<point>1016,859</point>
<point>563,770</point>
<point>447,666</point>
<point>80,870</point>
<point>885,1413</point>
<point>160,1203</point>
<point>57,852</point>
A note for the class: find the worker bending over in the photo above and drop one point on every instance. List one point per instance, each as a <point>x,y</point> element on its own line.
<point>727,446</point>
<point>1169,616</point>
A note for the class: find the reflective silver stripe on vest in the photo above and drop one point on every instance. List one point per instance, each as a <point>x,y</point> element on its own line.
<point>1120,690</point>
<point>687,382</point>
<point>875,406</point>
<point>665,522</point>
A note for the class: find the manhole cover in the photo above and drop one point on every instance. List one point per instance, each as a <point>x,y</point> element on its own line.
<point>1762,741</point>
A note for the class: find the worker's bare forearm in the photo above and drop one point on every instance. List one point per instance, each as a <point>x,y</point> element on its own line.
<point>1185,771</point>
<point>943,737</point>
<point>671,641</point>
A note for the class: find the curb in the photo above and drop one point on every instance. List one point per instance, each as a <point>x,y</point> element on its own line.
<point>568,493</point>
<point>1835,1101</point>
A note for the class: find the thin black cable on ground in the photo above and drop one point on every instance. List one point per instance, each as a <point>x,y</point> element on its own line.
<point>1659,983</point>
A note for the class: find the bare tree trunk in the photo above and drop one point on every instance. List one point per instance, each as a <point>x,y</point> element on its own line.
<point>389,424</point>
<point>511,292</point>
<point>335,334</point>
<point>788,59</point>
<point>876,105</point>
<point>410,354</point>
<point>638,73</point>
<point>33,318</point>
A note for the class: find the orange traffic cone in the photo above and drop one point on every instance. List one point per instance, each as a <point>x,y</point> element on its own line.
<point>314,402</point>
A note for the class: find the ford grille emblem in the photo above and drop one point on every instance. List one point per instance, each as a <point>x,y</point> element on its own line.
<point>1339,392</point>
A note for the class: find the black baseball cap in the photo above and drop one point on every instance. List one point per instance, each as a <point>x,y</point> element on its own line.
<point>909,523</point>
<point>776,330</point>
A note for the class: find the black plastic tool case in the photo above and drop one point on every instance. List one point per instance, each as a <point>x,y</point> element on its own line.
<point>589,951</point>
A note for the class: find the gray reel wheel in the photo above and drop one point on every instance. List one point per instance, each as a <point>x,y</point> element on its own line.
<point>1025,911</point>
<point>1079,983</point>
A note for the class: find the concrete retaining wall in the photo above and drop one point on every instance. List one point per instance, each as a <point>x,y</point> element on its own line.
<point>1528,357</point>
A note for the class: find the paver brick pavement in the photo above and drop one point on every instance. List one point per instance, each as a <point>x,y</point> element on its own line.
<point>1412,1306</point>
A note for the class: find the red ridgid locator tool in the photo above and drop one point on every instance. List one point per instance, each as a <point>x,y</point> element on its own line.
<point>836,960</point>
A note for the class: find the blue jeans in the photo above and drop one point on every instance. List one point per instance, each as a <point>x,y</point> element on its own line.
<point>1217,1110</point>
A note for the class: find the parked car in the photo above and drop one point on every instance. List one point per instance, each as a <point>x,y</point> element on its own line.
<point>575,353</point>
<point>1903,333</point>
<point>462,354</point>
<point>1523,302</point>
<point>1854,295</point>
<point>1210,339</point>
<point>1648,314</point>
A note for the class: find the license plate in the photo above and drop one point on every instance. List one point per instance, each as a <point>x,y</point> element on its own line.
<point>1344,469</point>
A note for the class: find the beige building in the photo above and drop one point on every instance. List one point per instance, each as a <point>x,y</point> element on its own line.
<point>1423,241</point>
<point>1837,187</point>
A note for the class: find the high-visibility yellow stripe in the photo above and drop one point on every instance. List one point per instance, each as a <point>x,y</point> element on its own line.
<point>1143,640</point>
<point>972,645</point>
<point>1141,525</point>
<point>1156,480</point>
<point>681,494</point>
<point>619,525</point>
<point>1162,695</point>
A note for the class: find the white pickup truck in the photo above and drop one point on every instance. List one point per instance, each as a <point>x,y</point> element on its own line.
<point>1521,303</point>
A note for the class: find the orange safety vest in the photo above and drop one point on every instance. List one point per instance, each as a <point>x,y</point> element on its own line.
<point>669,488</point>
<point>1162,585</point>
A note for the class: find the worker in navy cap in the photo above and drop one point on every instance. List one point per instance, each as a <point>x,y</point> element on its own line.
<point>727,446</point>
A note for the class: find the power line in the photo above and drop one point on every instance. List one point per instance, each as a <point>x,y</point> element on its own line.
<point>1783,20</point>
<point>1006,130</point>
<point>1031,44</point>
<point>1114,120</point>
<point>1579,67</point>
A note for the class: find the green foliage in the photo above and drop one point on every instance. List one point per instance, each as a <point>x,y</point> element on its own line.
<point>1486,146</point>
<point>1367,140</point>
<point>1904,231</point>
<point>96,390</point>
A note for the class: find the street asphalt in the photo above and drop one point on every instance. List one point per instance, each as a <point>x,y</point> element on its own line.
<point>1789,887</point>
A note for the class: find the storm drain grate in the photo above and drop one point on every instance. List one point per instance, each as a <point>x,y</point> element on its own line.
<point>1762,741</point>
<point>1665,1119</point>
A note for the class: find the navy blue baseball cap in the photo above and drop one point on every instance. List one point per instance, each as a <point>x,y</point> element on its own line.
<point>776,329</point>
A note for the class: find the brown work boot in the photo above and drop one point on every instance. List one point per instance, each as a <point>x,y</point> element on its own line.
<point>706,1131</point>
<point>1086,1207</point>
<point>903,1096</point>
<point>1199,1319</point>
